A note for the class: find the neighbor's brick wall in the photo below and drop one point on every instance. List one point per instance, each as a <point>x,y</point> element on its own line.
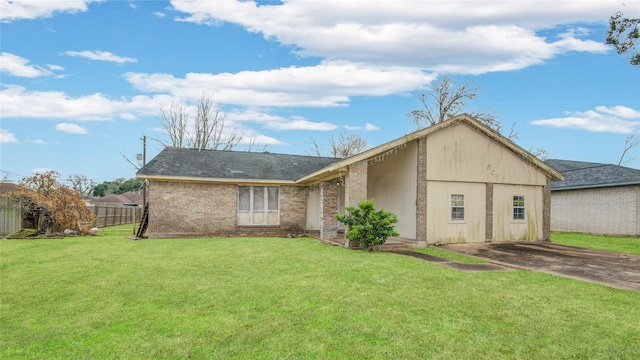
<point>179,209</point>
<point>611,211</point>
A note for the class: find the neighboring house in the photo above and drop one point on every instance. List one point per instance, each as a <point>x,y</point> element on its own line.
<point>131,197</point>
<point>595,198</point>
<point>457,181</point>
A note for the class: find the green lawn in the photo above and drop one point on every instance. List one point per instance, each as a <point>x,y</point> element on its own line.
<point>262,298</point>
<point>629,245</point>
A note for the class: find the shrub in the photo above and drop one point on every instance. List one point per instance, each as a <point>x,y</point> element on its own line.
<point>367,226</point>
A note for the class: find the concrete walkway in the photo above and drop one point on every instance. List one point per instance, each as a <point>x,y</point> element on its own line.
<point>617,270</point>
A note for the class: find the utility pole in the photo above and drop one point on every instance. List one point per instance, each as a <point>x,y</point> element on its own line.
<point>144,162</point>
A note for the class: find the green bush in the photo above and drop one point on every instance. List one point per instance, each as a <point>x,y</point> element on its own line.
<point>367,226</point>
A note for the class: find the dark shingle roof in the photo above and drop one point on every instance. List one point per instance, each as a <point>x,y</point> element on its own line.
<point>580,175</point>
<point>214,164</point>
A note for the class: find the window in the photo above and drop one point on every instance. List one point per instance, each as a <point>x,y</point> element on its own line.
<point>518,207</point>
<point>258,205</point>
<point>457,207</point>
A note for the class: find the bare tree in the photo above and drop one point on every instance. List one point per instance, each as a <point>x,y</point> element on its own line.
<point>209,128</point>
<point>175,119</point>
<point>81,185</point>
<point>631,142</point>
<point>444,100</point>
<point>342,146</point>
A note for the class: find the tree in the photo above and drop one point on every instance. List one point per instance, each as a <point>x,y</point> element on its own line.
<point>622,34</point>
<point>62,206</point>
<point>631,142</point>
<point>444,100</point>
<point>82,185</point>
<point>342,146</point>
<point>207,130</point>
<point>367,226</point>
<point>117,186</point>
<point>175,119</point>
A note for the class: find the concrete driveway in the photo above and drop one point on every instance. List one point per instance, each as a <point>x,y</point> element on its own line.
<point>617,270</point>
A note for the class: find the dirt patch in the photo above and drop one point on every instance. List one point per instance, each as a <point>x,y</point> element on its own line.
<point>617,270</point>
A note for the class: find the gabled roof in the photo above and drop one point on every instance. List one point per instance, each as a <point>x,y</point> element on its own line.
<point>230,166</point>
<point>583,175</point>
<point>341,166</point>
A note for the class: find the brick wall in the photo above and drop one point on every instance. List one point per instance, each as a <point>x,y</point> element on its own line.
<point>612,211</point>
<point>356,183</point>
<point>184,209</point>
<point>329,207</point>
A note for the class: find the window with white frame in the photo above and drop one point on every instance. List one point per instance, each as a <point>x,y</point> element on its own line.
<point>457,207</point>
<point>518,207</point>
<point>258,205</point>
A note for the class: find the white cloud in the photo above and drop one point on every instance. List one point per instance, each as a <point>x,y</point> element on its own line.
<point>301,125</point>
<point>7,137</point>
<point>16,10</point>
<point>41,170</point>
<point>71,128</point>
<point>371,127</point>
<point>452,36</point>
<point>159,14</point>
<point>18,66</point>
<point>616,119</point>
<point>38,142</point>
<point>328,84</point>
<point>20,103</point>
<point>101,56</point>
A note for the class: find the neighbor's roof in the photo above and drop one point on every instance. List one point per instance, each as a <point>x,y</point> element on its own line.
<point>7,187</point>
<point>583,175</point>
<point>232,166</point>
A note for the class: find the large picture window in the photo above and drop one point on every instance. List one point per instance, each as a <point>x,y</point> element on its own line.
<point>258,205</point>
<point>457,207</point>
<point>518,207</point>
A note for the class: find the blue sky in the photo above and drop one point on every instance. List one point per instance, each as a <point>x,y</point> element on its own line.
<point>82,81</point>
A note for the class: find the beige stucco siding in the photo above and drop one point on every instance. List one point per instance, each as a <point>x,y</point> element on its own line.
<point>392,185</point>
<point>440,228</point>
<point>505,228</point>
<point>313,209</point>
<point>459,153</point>
<point>611,211</point>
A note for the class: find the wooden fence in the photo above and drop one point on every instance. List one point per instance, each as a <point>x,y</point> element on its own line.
<point>10,215</point>
<point>108,215</point>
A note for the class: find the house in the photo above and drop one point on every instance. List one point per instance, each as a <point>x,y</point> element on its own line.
<point>130,197</point>
<point>595,198</point>
<point>457,181</point>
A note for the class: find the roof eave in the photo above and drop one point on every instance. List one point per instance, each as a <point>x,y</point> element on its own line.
<point>215,180</point>
<point>594,186</point>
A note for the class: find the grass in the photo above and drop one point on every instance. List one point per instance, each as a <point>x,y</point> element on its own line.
<point>265,298</point>
<point>621,244</point>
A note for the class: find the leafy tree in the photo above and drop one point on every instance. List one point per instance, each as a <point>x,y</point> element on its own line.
<point>622,34</point>
<point>367,226</point>
<point>117,186</point>
<point>62,207</point>
<point>342,146</point>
